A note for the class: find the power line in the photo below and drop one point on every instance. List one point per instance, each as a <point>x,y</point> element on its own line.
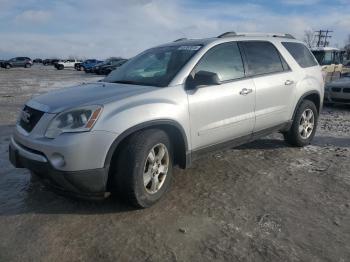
<point>322,36</point>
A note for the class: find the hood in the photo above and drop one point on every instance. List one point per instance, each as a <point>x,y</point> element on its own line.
<point>85,94</point>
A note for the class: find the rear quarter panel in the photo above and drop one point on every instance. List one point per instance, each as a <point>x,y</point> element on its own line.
<point>311,81</point>
<point>308,79</point>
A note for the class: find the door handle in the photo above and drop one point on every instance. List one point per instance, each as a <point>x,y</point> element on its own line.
<point>245,91</point>
<point>289,82</point>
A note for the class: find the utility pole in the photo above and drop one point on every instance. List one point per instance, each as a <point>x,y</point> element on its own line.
<point>322,36</point>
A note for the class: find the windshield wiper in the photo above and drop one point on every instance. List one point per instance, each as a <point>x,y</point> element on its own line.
<point>130,82</point>
<point>127,82</point>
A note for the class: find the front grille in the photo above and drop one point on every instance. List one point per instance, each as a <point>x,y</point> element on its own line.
<point>346,90</point>
<point>29,118</point>
<point>336,89</point>
<point>341,100</point>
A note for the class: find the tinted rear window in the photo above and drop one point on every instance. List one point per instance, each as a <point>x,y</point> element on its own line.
<point>301,54</point>
<point>262,58</point>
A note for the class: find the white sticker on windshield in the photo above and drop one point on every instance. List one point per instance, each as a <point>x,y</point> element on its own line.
<point>189,47</point>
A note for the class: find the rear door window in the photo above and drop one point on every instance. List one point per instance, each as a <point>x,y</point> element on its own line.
<point>262,58</point>
<point>301,54</point>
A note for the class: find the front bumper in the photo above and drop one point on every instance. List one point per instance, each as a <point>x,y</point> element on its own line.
<point>89,184</point>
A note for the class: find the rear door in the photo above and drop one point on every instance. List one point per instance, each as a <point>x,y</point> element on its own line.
<point>274,83</point>
<point>219,113</point>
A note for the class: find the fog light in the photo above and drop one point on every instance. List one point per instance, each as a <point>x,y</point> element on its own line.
<point>57,160</point>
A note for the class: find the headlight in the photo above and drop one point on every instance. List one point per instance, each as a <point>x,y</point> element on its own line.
<point>80,119</point>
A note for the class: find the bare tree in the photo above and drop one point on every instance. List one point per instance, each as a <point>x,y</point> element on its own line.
<point>309,38</point>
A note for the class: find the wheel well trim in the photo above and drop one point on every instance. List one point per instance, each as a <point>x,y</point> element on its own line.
<point>138,127</point>
<point>302,98</point>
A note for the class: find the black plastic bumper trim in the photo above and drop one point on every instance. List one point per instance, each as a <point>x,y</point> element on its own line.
<point>87,184</point>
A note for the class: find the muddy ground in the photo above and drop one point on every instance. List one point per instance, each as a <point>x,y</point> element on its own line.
<point>264,201</point>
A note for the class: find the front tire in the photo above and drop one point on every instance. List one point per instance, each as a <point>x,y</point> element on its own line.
<point>143,172</point>
<point>304,125</point>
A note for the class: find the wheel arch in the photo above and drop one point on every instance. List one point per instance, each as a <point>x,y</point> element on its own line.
<point>176,134</point>
<point>313,96</point>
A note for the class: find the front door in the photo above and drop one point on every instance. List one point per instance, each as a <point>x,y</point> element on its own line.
<point>220,113</point>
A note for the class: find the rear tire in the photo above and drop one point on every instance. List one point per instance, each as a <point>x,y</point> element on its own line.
<point>7,66</point>
<point>304,125</point>
<point>27,65</point>
<point>137,178</point>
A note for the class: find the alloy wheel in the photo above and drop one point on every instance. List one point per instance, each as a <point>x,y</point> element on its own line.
<point>156,168</point>
<point>307,123</point>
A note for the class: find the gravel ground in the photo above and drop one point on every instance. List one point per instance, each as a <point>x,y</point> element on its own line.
<point>263,201</point>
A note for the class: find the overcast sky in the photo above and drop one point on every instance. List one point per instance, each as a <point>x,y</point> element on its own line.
<point>103,28</point>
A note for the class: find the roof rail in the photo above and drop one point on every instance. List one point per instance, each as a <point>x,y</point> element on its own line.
<point>268,35</point>
<point>285,36</point>
<point>227,34</point>
<point>232,34</point>
<point>180,39</point>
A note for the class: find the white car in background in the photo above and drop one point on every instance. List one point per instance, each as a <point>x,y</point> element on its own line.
<point>69,63</point>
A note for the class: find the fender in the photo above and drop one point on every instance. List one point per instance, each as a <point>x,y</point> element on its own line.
<point>141,126</point>
<point>312,92</point>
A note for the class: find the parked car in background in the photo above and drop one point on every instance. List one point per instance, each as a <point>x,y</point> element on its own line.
<point>94,69</point>
<point>77,65</point>
<point>109,67</point>
<point>168,106</point>
<point>51,61</point>
<point>89,67</point>
<point>87,64</point>
<point>18,62</point>
<point>346,67</point>
<point>338,91</point>
<point>1,61</point>
<point>69,63</point>
<point>37,61</point>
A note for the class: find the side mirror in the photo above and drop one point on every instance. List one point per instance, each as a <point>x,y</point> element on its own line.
<point>202,78</point>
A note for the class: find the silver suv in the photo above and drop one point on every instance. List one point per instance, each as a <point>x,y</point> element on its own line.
<point>168,106</point>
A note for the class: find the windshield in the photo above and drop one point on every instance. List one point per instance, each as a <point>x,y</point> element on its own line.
<point>154,67</point>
